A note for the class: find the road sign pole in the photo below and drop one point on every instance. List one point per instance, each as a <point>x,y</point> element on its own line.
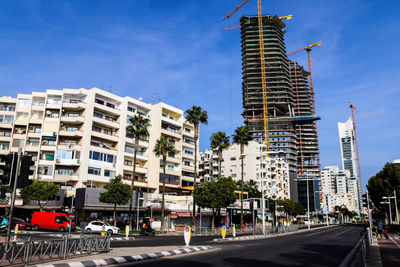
<point>14,192</point>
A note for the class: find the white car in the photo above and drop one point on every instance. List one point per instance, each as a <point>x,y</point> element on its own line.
<point>98,226</point>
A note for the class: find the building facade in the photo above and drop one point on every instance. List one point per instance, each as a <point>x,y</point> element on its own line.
<point>78,138</point>
<point>349,157</point>
<point>256,165</point>
<point>337,189</point>
<point>282,134</point>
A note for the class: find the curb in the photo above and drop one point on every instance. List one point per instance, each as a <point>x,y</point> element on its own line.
<point>248,237</point>
<point>126,259</point>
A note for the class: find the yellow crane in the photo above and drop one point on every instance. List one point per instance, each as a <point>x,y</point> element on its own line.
<point>262,63</point>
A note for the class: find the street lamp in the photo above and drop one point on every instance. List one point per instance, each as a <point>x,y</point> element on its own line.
<point>137,212</point>
<point>390,211</point>
<point>395,204</point>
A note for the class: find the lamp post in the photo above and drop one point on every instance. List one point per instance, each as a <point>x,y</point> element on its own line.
<point>395,204</point>
<point>137,213</point>
<point>390,211</point>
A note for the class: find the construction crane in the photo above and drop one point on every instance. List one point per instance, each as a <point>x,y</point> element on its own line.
<point>308,49</point>
<point>262,65</point>
<point>288,17</point>
<point>352,107</point>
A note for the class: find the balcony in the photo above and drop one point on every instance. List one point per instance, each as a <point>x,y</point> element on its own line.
<point>110,110</point>
<point>69,162</point>
<point>105,135</point>
<point>172,121</point>
<point>34,134</point>
<point>64,132</point>
<point>138,169</point>
<point>74,105</point>
<point>66,178</point>
<point>176,134</point>
<point>106,122</point>
<point>139,155</point>
<point>73,120</point>
<point>63,146</point>
<point>175,159</point>
<point>48,148</point>
<point>5,138</point>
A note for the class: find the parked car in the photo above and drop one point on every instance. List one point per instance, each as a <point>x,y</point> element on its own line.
<point>51,221</point>
<point>22,225</point>
<point>97,226</point>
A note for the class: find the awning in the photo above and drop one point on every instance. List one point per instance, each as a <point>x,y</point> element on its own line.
<point>48,138</point>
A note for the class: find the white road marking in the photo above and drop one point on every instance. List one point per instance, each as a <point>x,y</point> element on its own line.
<point>343,232</point>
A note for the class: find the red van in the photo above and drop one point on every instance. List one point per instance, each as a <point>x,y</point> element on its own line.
<point>51,221</point>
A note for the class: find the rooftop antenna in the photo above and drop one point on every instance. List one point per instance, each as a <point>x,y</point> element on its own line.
<point>110,89</point>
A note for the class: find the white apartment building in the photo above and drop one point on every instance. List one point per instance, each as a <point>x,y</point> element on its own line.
<point>78,138</point>
<point>273,171</point>
<point>337,188</point>
<point>348,153</point>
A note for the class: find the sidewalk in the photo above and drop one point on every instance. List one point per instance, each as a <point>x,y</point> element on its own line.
<point>390,250</point>
<point>122,255</point>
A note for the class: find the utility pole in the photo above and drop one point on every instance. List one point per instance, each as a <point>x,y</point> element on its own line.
<point>14,192</point>
<point>395,203</point>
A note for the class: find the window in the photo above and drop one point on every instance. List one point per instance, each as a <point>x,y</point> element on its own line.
<point>94,143</point>
<point>70,142</point>
<point>131,109</point>
<point>4,146</point>
<point>65,172</point>
<point>187,130</point>
<point>129,149</point>
<point>188,152</point>
<point>73,114</point>
<point>95,155</point>
<point>71,128</point>
<point>101,156</point>
<point>109,173</point>
<point>128,162</point>
<point>64,154</point>
<point>98,101</point>
<point>110,105</point>
<point>24,103</point>
<point>94,171</point>
<point>98,115</point>
<point>96,129</point>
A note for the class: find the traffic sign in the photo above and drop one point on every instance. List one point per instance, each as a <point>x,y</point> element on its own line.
<point>151,220</point>
<point>223,231</point>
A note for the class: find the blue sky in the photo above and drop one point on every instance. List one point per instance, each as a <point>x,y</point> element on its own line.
<point>177,51</point>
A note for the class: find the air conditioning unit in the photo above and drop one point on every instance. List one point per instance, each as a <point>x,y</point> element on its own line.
<point>54,133</point>
<point>58,160</point>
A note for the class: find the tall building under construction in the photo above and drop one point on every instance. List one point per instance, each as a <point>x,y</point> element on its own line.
<point>291,128</point>
<point>308,167</point>
<point>282,134</point>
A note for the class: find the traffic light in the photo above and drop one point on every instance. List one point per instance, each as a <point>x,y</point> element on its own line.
<point>8,168</point>
<point>365,201</point>
<point>251,205</point>
<point>25,171</point>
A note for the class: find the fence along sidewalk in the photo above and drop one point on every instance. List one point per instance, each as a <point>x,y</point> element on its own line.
<point>31,251</point>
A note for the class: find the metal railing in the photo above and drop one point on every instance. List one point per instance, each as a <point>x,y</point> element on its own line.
<point>248,230</point>
<point>29,251</point>
<point>358,255</point>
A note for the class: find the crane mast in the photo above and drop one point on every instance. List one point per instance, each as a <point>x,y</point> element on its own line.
<point>352,107</point>
<point>263,75</point>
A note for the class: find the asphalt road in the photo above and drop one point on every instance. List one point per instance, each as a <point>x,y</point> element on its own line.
<point>322,247</point>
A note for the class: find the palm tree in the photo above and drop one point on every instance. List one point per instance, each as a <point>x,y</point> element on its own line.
<point>137,128</point>
<point>162,148</point>
<point>219,142</point>
<point>195,116</point>
<point>242,138</point>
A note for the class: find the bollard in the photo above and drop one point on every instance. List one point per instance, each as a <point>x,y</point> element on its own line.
<point>187,235</point>
<point>223,231</point>
<point>103,231</point>
<point>127,231</point>
<point>16,232</point>
<point>234,230</point>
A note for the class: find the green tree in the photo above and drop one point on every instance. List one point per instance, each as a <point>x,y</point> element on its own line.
<point>161,149</point>
<point>40,191</point>
<point>195,116</point>
<point>116,193</point>
<point>242,138</point>
<point>216,195</point>
<point>219,142</point>
<point>384,183</point>
<point>137,129</point>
